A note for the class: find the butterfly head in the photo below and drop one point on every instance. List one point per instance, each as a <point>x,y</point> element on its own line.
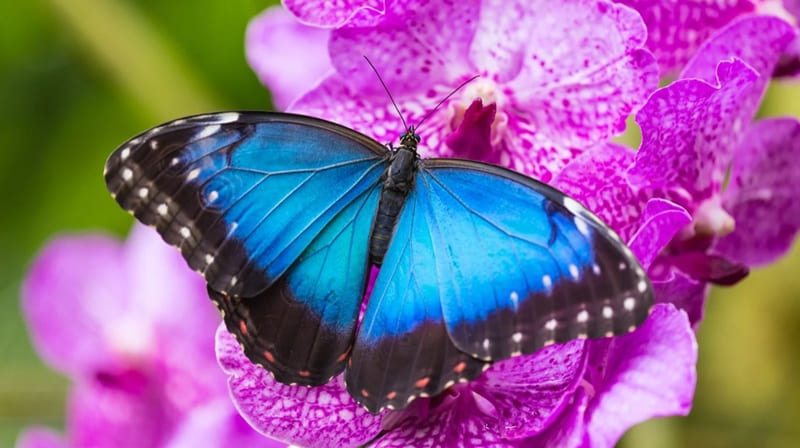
<point>410,139</point>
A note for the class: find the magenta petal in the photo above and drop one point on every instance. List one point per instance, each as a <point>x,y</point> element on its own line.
<point>217,423</point>
<point>75,285</point>
<point>676,29</point>
<point>411,54</point>
<point>289,58</point>
<point>576,71</point>
<point>327,14</point>
<point>472,138</point>
<point>39,437</point>
<point>757,40</point>
<point>529,392</point>
<point>689,131</point>
<point>762,193</point>
<point>319,416</point>
<point>789,63</point>
<point>711,268</point>
<point>650,373</point>
<point>684,292</point>
<point>108,414</point>
<point>661,221</point>
<point>597,179</point>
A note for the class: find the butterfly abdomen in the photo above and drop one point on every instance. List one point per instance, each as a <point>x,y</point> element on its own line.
<point>398,181</point>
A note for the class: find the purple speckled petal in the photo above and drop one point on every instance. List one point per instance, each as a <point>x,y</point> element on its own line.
<point>677,29</point>
<point>374,115</point>
<point>412,53</point>
<point>515,398</point>
<point>762,193</point>
<point>462,423</point>
<point>289,58</point>
<point>570,428</point>
<point>40,437</point>
<point>757,40</point>
<point>334,14</point>
<point>319,416</point>
<point>218,424</point>
<point>573,74</point>
<point>650,373</point>
<point>75,285</point>
<point>661,221</point>
<point>597,179</point>
<point>528,392</point>
<point>690,129</point>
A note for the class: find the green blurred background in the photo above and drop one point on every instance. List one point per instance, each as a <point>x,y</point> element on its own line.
<point>77,77</point>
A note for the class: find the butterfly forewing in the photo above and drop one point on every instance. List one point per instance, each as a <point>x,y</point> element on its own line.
<point>242,194</point>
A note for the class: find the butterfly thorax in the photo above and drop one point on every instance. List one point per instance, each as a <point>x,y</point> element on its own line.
<point>398,180</point>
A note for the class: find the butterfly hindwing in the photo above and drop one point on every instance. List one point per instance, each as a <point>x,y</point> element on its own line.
<point>301,328</point>
<point>243,194</point>
<point>402,349</point>
<point>521,265</point>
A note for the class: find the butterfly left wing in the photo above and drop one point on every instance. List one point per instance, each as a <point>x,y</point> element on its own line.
<point>242,194</point>
<point>522,265</point>
<point>301,328</point>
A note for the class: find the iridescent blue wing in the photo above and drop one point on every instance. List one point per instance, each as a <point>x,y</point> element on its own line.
<point>301,328</point>
<point>499,265</point>
<point>274,210</point>
<point>242,194</point>
<point>402,348</point>
<point>524,265</point>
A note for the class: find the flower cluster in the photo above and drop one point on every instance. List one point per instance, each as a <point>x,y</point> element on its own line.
<point>131,326</point>
<point>708,194</point>
<point>556,83</point>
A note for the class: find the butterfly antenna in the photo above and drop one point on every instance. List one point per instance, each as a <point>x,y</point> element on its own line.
<point>460,86</point>
<point>405,126</point>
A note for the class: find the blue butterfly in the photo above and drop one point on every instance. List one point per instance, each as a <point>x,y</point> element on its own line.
<point>284,215</point>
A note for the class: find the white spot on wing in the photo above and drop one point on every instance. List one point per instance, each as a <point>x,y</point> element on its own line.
<point>642,286</point>
<point>516,337</point>
<point>185,232</point>
<point>582,226</point>
<point>127,174</point>
<point>124,154</point>
<point>608,312</point>
<point>213,196</point>
<point>208,131</point>
<point>583,316</point>
<point>572,206</point>
<point>162,209</point>
<point>486,343</point>
<point>547,281</point>
<point>143,192</point>
<point>573,270</point>
<point>596,269</point>
<point>193,174</point>
<point>226,117</point>
<point>209,258</point>
<point>551,324</point>
<point>629,303</point>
